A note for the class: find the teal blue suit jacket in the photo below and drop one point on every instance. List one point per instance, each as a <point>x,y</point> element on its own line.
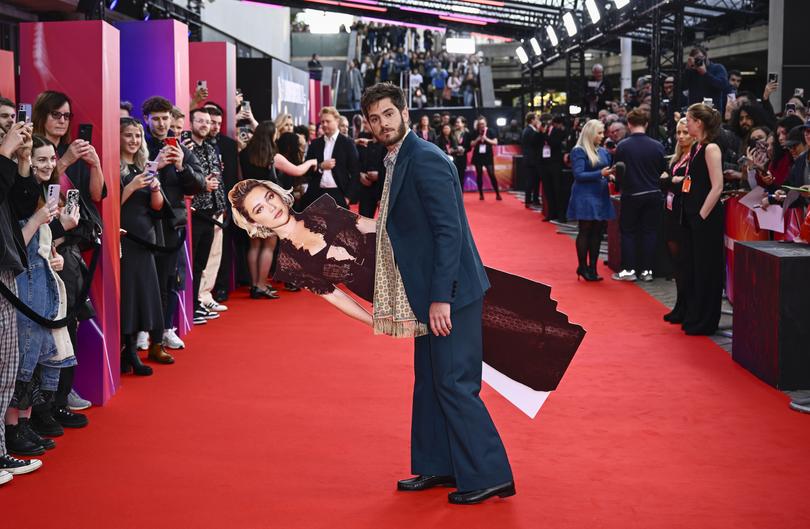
<point>427,225</point>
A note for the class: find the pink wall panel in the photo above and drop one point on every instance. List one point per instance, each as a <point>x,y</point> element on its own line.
<point>215,63</point>
<point>7,77</point>
<point>48,62</point>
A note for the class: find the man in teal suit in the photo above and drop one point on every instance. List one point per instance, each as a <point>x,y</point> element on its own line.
<point>430,285</point>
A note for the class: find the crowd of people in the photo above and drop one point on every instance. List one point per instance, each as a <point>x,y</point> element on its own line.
<point>672,182</point>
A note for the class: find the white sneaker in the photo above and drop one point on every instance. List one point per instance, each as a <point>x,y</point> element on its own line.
<point>624,275</point>
<point>15,466</point>
<point>215,307</point>
<point>143,341</point>
<point>5,477</point>
<point>171,340</point>
<point>647,276</point>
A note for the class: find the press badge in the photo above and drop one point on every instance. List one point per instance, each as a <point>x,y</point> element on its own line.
<point>546,151</point>
<point>670,200</point>
<point>687,185</point>
<point>482,148</point>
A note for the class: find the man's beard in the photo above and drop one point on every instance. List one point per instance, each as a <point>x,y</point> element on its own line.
<point>403,129</point>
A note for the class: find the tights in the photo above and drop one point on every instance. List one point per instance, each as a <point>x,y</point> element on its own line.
<point>589,239</point>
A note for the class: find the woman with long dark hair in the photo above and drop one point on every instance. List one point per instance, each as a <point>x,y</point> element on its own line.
<point>259,161</point>
<point>703,223</point>
<point>671,184</point>
<point>590,197</point>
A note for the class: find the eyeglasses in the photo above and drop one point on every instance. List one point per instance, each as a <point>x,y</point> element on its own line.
<point>55,114</point>
<point>202,121</point>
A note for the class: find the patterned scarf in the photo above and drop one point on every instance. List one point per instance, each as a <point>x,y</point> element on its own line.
<point>392,311</point>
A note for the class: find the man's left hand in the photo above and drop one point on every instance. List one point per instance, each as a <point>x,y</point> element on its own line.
<point>439,314</point>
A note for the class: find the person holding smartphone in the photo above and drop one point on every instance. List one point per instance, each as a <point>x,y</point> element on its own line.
<point>180,174</point>
<point>80,163</point>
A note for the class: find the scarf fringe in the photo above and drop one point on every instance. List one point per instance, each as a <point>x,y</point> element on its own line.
<point>399,329</point>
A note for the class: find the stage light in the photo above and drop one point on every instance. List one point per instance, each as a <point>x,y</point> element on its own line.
<point>521,53</point>
<point>570,23</point>
<point>574,110</point>
<point>113,5</point>
<point>593,10</point>
<point>621,3</point>
<point>535,46</point>
<point>460,46</point>
<point>552,36</point>
<point>501,122</point>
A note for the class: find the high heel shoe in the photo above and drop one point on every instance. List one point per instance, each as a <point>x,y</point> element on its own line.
<point>595,275</point>
<point>263,293</point>
<point>585,273</point>
<point>131,362</point>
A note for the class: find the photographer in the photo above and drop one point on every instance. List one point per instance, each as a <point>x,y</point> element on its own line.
<point>13,260</point>
<point>81,167</point>
<point>598,92</point>
<point>705,79</point>
<point>180,174</point>
<point>552,136</point>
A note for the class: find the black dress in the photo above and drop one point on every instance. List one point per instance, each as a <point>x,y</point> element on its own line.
<point>141,308</point>
<point>703,252</point>
<point>673,234</point>
<point>319,273</point>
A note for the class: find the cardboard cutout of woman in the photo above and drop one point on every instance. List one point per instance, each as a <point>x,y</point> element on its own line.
<point>525,337</point>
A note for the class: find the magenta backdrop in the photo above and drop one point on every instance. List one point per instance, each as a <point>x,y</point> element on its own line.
<point>48,62</point>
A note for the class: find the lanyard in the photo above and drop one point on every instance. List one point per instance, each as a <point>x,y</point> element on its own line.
<point>689,162</point>
<point>683,160</point>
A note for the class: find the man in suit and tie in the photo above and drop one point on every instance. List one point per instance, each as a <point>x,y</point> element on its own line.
<point>338,162</point>
<point>531,159</point>
<point>429,284</point>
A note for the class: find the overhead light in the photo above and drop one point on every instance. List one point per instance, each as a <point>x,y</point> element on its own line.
<point>521,53</point>
<point>621,3</point>
<point>574,110</point>
<point>501,122</point>
<point>460,46</point>
<point>593,10</point>
<point>535,46</point>
<point>552,36</point>
<point>569,23</point>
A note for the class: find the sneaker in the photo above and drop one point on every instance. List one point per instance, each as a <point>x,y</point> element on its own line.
<point>68,419</point>
<point>647,276</point>
<point>199,320</point>
<point>43,423</point>
<point>210,314</point>
<point>5,477</point>
<point>15,466</point>
<point>31,435</point>
<point>76,402</point>
<point>803,408</point>
<point>143,341</point>
<point>205,314</point>
<point>18,444</point>
<point>215,307</point>
<point>171,340</point>
<point>625,275</point>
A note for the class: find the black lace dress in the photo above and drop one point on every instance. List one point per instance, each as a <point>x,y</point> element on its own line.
<point>319,273</point>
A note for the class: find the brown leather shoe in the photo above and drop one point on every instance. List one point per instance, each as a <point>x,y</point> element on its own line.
<point>158,354</point>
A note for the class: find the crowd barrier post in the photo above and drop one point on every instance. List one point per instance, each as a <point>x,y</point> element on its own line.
<point>215,63</point>
<point>48,62</point>
<point>8,86</point>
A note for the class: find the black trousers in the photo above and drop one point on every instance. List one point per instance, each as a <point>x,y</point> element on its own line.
<point>550,175</point>
<point>452,433</point>
<point>202,238</point>
<point>479,175</point>
<point>461,168</point>
<point>166,265</point>
<point>640,218</point>
<point>531,175</point>
<point>367,198</point>
<point>703,271</point>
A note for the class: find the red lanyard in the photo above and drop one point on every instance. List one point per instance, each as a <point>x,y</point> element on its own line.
<point>683,160</point>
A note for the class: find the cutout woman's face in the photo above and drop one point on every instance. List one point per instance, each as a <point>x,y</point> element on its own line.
<point>266,208</point>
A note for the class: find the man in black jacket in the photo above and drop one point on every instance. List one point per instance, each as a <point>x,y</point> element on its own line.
<point>338,162</point>
<point>531,159</point>
<point>180,174</point>
<point>551,138</point>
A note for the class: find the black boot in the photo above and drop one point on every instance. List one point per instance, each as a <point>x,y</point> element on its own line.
<point>69,419</point>
<point>42,421</point>
<point>130,361</point>
<point>31,435</point>
<point>18,444</point>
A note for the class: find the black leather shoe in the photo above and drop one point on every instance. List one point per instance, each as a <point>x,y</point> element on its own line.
<point>425,482</point>
<point>69,419</point>
<point>477,496</point>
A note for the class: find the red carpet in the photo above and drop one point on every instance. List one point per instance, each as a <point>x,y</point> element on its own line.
<point>283,414</point>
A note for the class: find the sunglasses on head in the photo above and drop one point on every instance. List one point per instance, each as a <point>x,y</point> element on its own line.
<point>55,114</point>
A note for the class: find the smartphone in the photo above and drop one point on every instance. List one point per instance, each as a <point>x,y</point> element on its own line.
<point>731,97</point>
<point>202,84</point>
<point>185,136</point>
<point>71,201</point>
<point>170,140</point>
<point>86,132</point>
<point>799,92</point>
<point>708,101</point>
<point>773,77</point>
<point>52,198</point>
<point>24,113</point>
<point>246,106</point>
<point>151,170</point>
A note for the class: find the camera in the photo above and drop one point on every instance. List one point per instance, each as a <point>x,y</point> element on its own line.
<point>610,144</point>
<point>700,61</point>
